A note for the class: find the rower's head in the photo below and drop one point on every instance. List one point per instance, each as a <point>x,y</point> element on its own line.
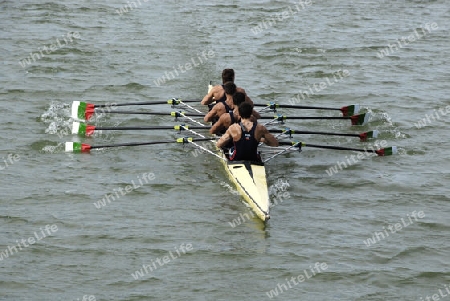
<point>227,75</point>
<point>230,88</point>
<point>238,98</point>
<point>245,110</point>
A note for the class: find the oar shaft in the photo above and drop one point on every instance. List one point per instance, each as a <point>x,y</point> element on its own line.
<point>142,103</point>
<point>144,143</point>
<point>307,117</point>
<point>131,104</point>
<point>154,113</point>
<point>299,107</point>
<point>317,133</point>
<point>303,144</point>
<point>130,128</point>
<point>341,148</point>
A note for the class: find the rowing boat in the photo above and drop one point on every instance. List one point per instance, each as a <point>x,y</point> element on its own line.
<point>249,177</point>
<point>250,180</point>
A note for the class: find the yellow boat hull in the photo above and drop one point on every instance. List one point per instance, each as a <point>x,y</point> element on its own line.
<point>250,180</point>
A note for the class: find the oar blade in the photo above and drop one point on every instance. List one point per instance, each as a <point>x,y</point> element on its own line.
<point>387,151</point>
<point>77,147</point>
<point>78,108</point>
<point>82,129</point>
<point>350,110</point>
<point>368,135</point>
<point>82,110</point>
<point>361,119</point>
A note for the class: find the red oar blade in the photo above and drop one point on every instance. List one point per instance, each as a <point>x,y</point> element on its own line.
<point>361,119</point>
<point>350,110</point>
<point>82,129</point>
<point>387,151</point>
<point>368,135</point>
<point>77,147</point>
<point>82,110</point>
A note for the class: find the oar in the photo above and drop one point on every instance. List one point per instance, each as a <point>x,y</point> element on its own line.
<point>78,147</point>
<point>88,130</point>
<point>83,110</point>
<point>173,101</point>
<point>387,151</point>
<point>346,110</point>
<point>363,136</point>
<point>361,119</point>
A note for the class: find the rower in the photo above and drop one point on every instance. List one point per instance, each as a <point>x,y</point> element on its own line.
<point>217,92</point>
<point>223,106</point>
<point>246,136</point>
<point>226,120</point>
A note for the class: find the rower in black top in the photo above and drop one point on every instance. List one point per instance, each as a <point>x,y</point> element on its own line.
<point>246,136</point>
<point>222,107</point>
<point>246,148</point>
<point>226,120</point>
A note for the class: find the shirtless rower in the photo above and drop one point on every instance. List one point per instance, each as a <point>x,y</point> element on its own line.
<point>222,107</point>
<point>217,93</point>
<point>246,136</point>
<point>226,120</point>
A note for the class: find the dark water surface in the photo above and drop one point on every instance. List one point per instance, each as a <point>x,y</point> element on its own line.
<point>60,246</point>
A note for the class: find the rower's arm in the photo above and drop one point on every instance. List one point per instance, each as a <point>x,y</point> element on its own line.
<point>215,128</point>
<point>210,115</point>
<point>218,126</point>
<point>223,140</point>
<point>209,98</point>
<point>269,139</point>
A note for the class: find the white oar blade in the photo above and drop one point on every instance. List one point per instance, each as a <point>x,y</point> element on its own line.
<point>75,106</point>
<point>75,127</point>
<point>69,147</point>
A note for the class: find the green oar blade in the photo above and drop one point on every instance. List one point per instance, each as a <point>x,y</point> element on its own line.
<point>387,151</point>
<point>361,119</point>
<point>368,135</point>
<point>83,129</point>
<point>77,147</point>
<point>350,110</point>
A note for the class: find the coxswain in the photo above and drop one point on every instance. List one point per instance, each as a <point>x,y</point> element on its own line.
<point>246,135</point>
